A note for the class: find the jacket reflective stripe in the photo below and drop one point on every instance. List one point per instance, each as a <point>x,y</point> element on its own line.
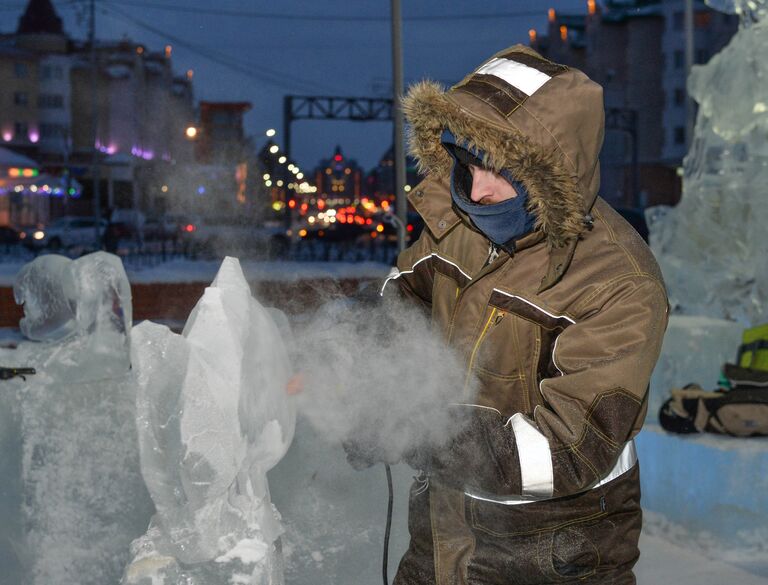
<point>627,460</point>
<point>395,273</point>
<point>526,79</point>
<point>535,458</point>
<point>535,306</point>
<point>554,361</point>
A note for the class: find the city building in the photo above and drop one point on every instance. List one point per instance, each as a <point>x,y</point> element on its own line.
<point>380,181</point>
<point>339,180</point>
<point>122,122</point>
<point>635,50</point>
<point>221,137</point>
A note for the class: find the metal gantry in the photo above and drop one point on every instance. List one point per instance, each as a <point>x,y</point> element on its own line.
<point>358,109</point>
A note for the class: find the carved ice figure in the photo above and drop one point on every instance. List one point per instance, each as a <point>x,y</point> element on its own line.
<point>83,496</point>
<point>213,418</point>
<point>712,247</point>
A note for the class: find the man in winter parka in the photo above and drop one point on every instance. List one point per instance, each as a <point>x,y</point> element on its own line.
<point>559,310</point>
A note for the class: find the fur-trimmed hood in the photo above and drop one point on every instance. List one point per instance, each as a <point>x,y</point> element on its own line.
<point>542,121</point>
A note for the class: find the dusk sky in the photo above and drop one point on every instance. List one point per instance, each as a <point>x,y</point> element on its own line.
<point>335,47</point>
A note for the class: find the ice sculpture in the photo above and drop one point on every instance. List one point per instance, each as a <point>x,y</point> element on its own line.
<point>750,10</point>
<point>712,247</point>
<point>213,418</point>
<point>83,498</point>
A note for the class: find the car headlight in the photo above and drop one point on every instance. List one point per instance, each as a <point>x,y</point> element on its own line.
<point>39,235</point>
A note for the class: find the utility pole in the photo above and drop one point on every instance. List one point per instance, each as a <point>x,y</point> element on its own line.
<point>690,107</point>
<point>401,204</point>
<point>95,123</point>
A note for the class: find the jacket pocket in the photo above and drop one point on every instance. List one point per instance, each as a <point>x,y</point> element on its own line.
<point>535,545</point>
<point>504,520</point>
<point>568,553</point>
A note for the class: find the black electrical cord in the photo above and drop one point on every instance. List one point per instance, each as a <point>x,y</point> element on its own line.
<point>389,524</point>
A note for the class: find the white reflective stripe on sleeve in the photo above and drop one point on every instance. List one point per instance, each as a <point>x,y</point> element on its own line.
<point>395,273</point>
<point>554,361</point>
<point>535,458</point>
<point>627,460</point>
<point>526,79</point>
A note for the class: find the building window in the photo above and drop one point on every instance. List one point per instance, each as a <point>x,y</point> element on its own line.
<point>679,96</point>
<point>679,57</point>
<point>20,98</point>
<point>678,20</point>
<point>679,134</point>
<point>48,131</point>
<point>50,101</point>
<point>51,72</point>
<point>20,70</point>
<point>20,129</point>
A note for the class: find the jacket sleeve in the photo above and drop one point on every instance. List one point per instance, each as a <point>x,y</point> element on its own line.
<point>590,410</point>
<point>413,274</point>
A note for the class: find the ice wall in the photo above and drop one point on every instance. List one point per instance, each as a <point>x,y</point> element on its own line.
<point>712,247</point>
<point>76,494</point>
<point>213,418</point>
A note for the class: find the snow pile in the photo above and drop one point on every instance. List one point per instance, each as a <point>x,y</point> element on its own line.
<point>83,497</point>
<point>712,247</point>
<point>213,418</point>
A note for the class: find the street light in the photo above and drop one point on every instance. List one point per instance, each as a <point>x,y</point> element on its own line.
<point>191,132</point>
<point>274,148</point>
<point>270,133</point>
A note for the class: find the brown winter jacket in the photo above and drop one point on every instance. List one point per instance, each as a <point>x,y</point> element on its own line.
<point>561,335</point>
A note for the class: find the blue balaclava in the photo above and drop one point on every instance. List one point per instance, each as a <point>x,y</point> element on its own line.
<point>502,223</point>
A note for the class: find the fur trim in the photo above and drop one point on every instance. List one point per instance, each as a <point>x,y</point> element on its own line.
<point>554,197</point>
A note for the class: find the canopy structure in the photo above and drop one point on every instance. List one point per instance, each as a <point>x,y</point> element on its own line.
<point>25,191</point>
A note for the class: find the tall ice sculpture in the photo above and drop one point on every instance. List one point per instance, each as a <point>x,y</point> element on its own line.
<point>713,247</point>
<point>213,418</point>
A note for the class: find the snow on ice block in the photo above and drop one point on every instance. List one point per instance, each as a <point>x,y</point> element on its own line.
<point>714,487</point>
<point>213,418</point>
<point>694,350</point>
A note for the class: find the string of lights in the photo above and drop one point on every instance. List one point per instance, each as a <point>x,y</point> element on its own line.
<point>324,17</point>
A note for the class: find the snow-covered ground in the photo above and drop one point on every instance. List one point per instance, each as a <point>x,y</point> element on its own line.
<point>665,563</point>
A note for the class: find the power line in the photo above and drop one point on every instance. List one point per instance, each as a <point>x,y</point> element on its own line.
<point>323,17</point>
<point>264,74</point>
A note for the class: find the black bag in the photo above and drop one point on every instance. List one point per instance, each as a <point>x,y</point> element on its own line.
<point>740,411</point>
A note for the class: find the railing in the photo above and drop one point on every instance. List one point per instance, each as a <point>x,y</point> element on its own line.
<point>137,255</point>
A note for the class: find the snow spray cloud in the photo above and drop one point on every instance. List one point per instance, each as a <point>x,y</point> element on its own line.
<point>380,374</point>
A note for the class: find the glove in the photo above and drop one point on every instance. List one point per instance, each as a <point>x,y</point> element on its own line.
<point>482,455</point>
<point>360,455</point>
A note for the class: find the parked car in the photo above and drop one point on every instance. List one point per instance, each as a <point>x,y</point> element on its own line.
<point>66,232</point>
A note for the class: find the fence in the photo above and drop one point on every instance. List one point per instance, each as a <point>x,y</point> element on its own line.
<point>153,253</point>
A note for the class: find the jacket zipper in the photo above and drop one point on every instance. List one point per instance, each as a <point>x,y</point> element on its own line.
<point>494,318</point>
<point>493,255</point>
